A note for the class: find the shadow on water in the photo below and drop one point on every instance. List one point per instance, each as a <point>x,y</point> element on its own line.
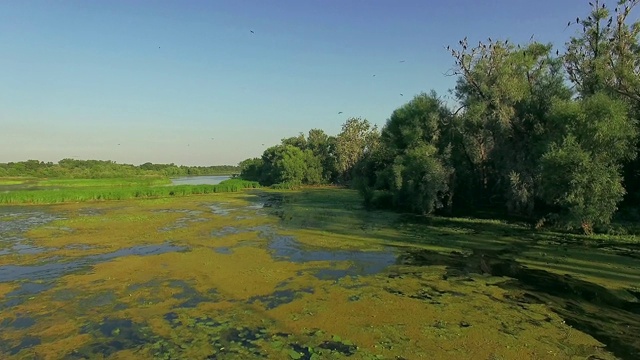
<point>610,317</point>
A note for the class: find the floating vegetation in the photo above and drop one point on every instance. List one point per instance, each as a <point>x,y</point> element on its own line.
<point>255,287</point>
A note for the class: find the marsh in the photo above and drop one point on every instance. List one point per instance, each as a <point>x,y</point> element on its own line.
<point>303,275</point>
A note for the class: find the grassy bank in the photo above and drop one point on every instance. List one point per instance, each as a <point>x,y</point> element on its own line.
<point>80,190</point>
<point>117,182</point>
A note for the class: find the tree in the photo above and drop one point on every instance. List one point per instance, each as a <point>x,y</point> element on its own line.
<point>323,146</point>
<point>605,57</point>
<point>251,169</point>
<point>581,169</point>
<point>407,165</point>
<point>497,142</point>
<point>419,180</point>
<point>291,165</point>
<point>587,189</point>
<point>357,138</point>
<point>297,141</point>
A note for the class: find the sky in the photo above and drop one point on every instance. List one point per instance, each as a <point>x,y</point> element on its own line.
<point>215,82</point>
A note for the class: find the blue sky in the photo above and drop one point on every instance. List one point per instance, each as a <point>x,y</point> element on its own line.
<point>187,82</point>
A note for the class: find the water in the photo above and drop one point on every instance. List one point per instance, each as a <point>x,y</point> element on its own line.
<point>14,222</point>
<point>52,271</point>
<point>199,180</point>
<point>361,263</point>
<point>247,290</point>
<point>38,278</point>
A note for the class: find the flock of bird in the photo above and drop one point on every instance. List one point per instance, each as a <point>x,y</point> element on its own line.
<point>339,112</point>
<point>374,75</point>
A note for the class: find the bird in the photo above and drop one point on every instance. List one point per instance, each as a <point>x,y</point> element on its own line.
<point>252,31</point>
<point>557,52</point>
<point>374,75</point>
<point>401,94</point>
<point>401,61</point>
<point>339,112</point>
<point>118,144</point>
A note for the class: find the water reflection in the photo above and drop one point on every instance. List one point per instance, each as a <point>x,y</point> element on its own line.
<point>199,180</point>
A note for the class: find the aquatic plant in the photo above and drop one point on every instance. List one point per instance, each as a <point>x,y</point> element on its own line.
<point>81,194</point>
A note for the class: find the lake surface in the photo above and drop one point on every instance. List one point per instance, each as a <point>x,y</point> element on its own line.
<point>199,180</point>
<point>262,276</point>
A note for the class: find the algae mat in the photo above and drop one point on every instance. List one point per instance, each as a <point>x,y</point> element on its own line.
<point>298,275</point>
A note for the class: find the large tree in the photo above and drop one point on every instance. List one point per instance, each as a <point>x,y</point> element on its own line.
<point>408,166</point>
<point>324,147</point>
<point>290,165</point>
<point>590,139</point>
<point>505,92</point>
<point>604,56</point>
<point>356,139</point>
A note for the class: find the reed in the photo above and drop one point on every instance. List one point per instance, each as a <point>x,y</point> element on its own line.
<point>83,194</point>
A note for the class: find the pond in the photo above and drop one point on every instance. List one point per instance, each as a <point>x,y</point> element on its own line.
<point>257,276</point>
<point>199,180</point>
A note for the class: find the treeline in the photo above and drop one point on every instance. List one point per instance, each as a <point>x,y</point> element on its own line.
<point>93,169</point>
<point>540,133</point>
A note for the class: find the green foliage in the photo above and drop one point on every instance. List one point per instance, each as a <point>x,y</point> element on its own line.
<point>604,57</point>
<point>298,141</point>
<point>323,146</point>
<point>357,138</point>
<point>116,182</point>
<point>581,170</point>
<point>74,194</point>
<point>519,139</point>
<point>290,164</point>
<point>588,189</point>
<point>94,169</point>
<point>407,166</point>
<point>250,169</point>
<point>419,180</point>
<point>600,125</point>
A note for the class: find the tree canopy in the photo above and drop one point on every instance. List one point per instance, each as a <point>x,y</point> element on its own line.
<point>541,133</point>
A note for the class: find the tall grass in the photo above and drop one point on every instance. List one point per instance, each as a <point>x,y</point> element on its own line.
<point>48,196</point>
<point>134,181</point>
<point>12,181</point>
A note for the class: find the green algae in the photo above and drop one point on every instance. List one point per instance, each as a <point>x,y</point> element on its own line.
<point>437,301</point>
